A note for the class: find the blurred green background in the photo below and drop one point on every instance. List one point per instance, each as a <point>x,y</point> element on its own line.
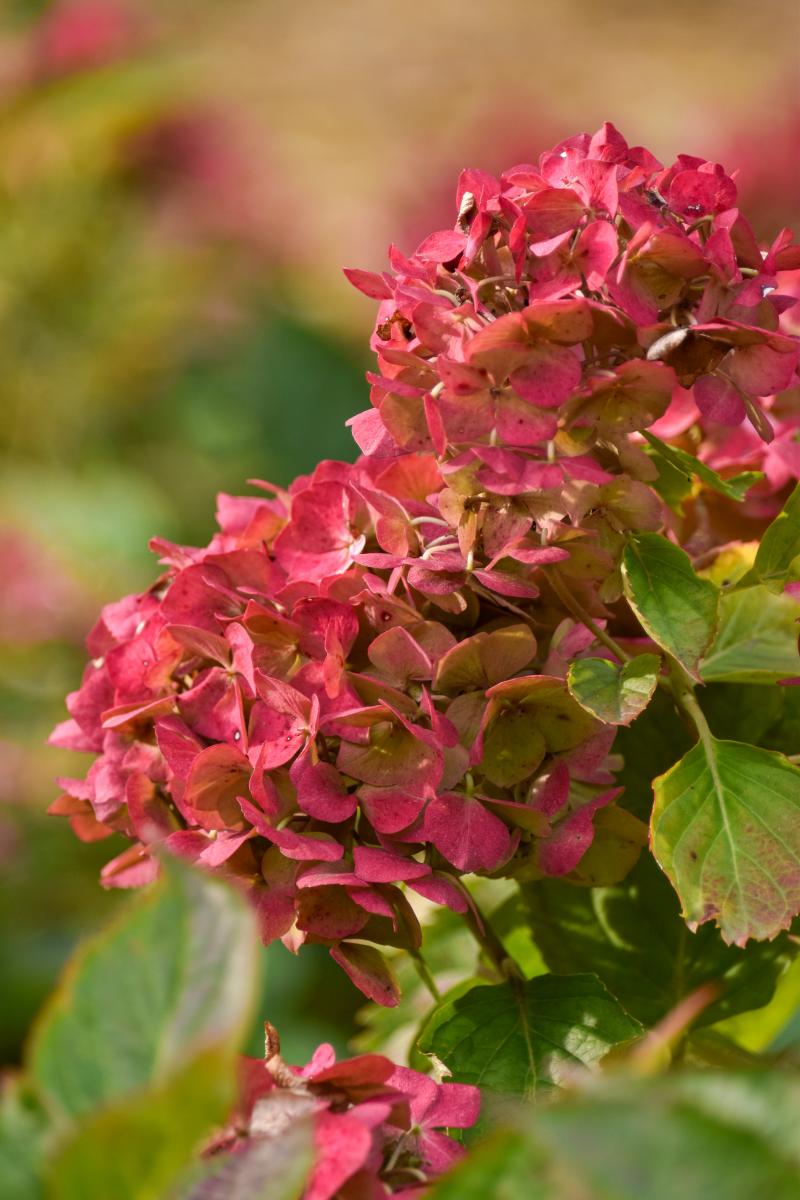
<point>180,183</point>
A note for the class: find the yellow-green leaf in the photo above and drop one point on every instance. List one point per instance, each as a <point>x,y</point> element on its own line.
<point>779,548</point>
<point>757,639</point>
<point>614,694</point>
<point>726,830</point>
<point>134,1149</point>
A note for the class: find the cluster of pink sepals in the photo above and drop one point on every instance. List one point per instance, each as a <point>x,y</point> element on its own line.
<point>377,1128</point>
<point>357,689</point>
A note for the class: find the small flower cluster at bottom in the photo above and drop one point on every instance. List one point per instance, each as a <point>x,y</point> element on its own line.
<point>377,1127</point>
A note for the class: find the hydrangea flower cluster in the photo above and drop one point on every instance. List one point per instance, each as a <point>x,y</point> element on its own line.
<point>358,688</point>
<point>377,1128</point>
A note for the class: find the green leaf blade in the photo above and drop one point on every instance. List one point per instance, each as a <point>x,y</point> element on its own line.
<point>171,978</point>
<point>735,488</point>
<point>23,1134</point>
<point>689,1135</point>
<point>677,608</point>
<point>779,548</point>
<point>519,1039</point>
<point>757,639</point>
<point>616,695</point>
<point>633,937</point>
<point>726,830</point>
<point>135,1148</point>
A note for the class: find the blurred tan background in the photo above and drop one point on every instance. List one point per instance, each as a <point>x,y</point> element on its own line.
<point>180,184</point>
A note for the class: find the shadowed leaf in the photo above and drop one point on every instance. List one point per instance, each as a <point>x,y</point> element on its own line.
<point>521,1038</point>
<point>632,936</point>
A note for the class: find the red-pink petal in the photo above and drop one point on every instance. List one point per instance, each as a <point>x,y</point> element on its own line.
<point>762,370</point>
<point>441,890</point>
<point>374,865</point>
<point>549,375</point>
<point>389,810</point>
<point>442,246</point>
<point>321,792</point>
<point>369,971</point>
<point>468,836</point>
<point>372,285</point>
<point>719,400</point>
<point>343,1145</point>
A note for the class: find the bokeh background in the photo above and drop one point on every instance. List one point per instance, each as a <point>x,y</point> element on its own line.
<point>180,183</point>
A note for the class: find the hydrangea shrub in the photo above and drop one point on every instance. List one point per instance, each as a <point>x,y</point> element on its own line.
<point>573,510</point>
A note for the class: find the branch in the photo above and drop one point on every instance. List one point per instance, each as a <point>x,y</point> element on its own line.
<point>580,613</point>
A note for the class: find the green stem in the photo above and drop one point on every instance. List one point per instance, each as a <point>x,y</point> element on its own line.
<point>489,942</point>
<point>580,613</point>
<point>682,688</point>
<point>425,975</point>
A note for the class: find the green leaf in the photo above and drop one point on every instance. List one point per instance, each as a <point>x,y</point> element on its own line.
<point>134,1149</point>
<point>503,1166</point>
<point>726,830</point>
<point>692,1136</point>
<point>757,639</point>
<point>512,925</point>
<point>779,547</point>
<point>616,695</point>
<point>632,936</point>
<point>171,978</point>
<point>678,462</point>
<point>522,1038</point>
<point>672,484</point>
<point>759,1029</point>
<point>23,1128</point>
<point>674,605</point>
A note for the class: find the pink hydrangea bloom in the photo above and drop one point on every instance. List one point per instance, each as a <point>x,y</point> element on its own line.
<point>356,693</point>
<point>378,1129</point>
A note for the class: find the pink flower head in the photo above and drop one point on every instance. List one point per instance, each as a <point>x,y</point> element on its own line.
<point>357,693</point>
<point>377,1127</point>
